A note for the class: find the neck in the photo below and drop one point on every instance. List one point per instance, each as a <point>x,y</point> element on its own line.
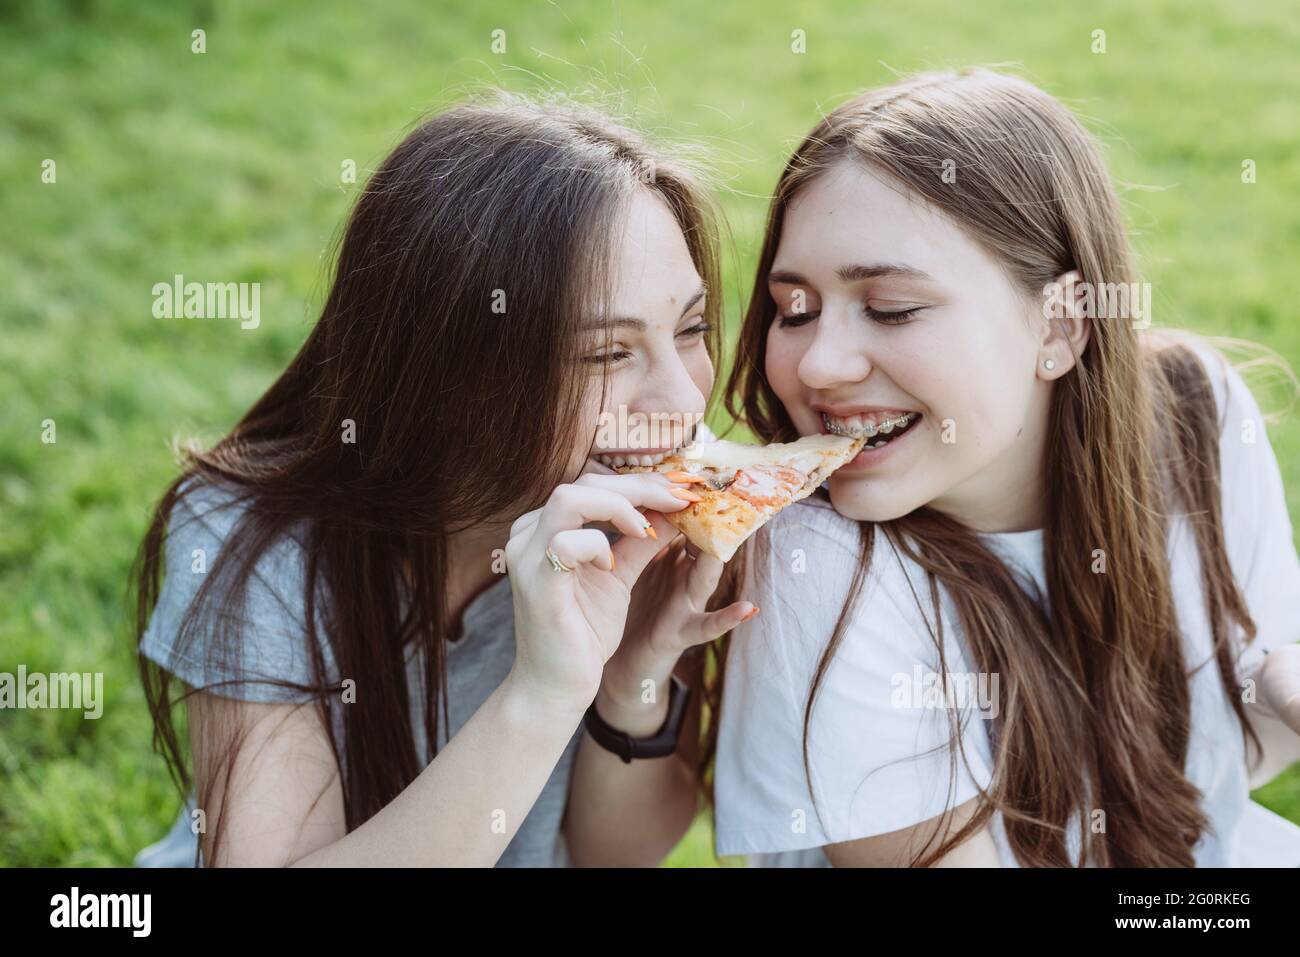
<point>471,557</point>
<point>1008,495</point>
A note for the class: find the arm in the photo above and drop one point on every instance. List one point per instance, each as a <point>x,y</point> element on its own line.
<point>899,848</point>
<point>1275,713</point>
<point>632,815</point>
<point>1261,550</point>
<point>286,804</point>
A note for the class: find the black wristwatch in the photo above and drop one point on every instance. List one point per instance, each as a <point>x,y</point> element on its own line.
<point>662,744</point>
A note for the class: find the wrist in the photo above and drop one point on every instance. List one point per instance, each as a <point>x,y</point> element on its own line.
<point>639,713</point>
<point>533,704</point>
<point>634,739</point>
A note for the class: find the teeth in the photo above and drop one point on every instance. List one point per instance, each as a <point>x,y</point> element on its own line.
<point>618,461</point>
<point>858,426</point>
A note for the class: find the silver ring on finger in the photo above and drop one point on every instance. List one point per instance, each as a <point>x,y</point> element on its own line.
<point>556,564</point>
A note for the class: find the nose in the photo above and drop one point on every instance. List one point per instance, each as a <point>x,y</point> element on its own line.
<point>672,394</point>
<point>838,354</point>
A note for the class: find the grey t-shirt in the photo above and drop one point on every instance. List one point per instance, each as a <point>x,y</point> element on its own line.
<point>274,645</point>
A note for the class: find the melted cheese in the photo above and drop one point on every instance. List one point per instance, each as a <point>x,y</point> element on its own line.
<point>803,455</point>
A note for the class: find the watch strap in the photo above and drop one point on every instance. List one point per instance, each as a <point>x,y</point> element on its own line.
<point>659,745</point>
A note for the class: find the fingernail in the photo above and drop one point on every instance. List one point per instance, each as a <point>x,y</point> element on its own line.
<point>650,529</point>
<point>751,614</point>
<point>686,477</point>
<point>686,496</point>
<point>611,561</point>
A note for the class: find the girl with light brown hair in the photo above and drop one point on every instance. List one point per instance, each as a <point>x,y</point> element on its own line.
<point>1047,617</point>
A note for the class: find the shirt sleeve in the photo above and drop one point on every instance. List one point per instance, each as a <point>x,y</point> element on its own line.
<point>1257,525</point>
<point>880,743</point>
<point>269,623</point>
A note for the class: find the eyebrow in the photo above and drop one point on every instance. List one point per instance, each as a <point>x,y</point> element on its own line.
<point>640,324</point>
<point>855,273</point>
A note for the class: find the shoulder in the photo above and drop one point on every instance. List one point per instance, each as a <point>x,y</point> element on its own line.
<point>1183,354</point>
<point>213,634</point>
<point>1257,529</point>
<point>210,513</point>
<point>1248,471</point>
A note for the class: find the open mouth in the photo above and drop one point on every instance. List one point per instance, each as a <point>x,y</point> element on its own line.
<point>878,430</point>
<point>625,458</point>
<point>620,459</point>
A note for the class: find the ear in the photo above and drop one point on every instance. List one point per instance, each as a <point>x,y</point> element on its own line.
<point>1066,326</point>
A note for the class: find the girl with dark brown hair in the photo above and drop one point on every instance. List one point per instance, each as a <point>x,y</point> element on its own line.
<point>394,588</point>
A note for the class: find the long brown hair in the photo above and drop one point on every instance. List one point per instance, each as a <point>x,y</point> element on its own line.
<point>1094,700</point>
<point>453,405</point>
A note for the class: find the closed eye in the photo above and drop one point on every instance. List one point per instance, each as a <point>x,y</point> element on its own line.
<point>891,318</point>
<point>798,319</point>
<point>609,358</point>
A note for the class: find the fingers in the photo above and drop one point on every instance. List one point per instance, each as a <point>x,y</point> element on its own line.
<point>707,627</point>
<point>580,546</point>
<point>609,498</point>
<point>571,507</point>
<point>634,554</point>
<point>524,521</point>
<point>702,580</point>
<point>651,485</point>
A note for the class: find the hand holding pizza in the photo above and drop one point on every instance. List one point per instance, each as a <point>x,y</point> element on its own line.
<point>571,587</point>
<point>667,617</point>
<point>740,488</point>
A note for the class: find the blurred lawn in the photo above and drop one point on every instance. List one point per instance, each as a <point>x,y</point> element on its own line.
<point>225,166</point>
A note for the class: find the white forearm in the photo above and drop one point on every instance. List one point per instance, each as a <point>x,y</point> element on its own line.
<point>467,805</point>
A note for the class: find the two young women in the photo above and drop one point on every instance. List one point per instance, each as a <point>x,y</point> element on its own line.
<point>368,688</point>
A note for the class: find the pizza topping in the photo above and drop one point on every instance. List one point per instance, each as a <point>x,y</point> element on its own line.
<point>745,485</point>
<point>767,486</point>
<point>720,479</point>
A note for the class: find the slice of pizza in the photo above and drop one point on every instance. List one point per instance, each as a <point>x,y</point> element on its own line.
<point>742,486</point>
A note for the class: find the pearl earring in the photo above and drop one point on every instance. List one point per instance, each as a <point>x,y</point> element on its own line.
<point>1049,364</point>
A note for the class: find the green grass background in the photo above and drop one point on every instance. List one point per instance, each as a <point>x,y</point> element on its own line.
<point>226,166</point>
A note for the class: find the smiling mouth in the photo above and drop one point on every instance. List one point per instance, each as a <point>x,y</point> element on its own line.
<point>619,458</point>
<point>878,430</point>
<point>615,460</point>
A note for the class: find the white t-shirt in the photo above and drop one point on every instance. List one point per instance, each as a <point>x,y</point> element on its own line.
<point>879,750</point>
